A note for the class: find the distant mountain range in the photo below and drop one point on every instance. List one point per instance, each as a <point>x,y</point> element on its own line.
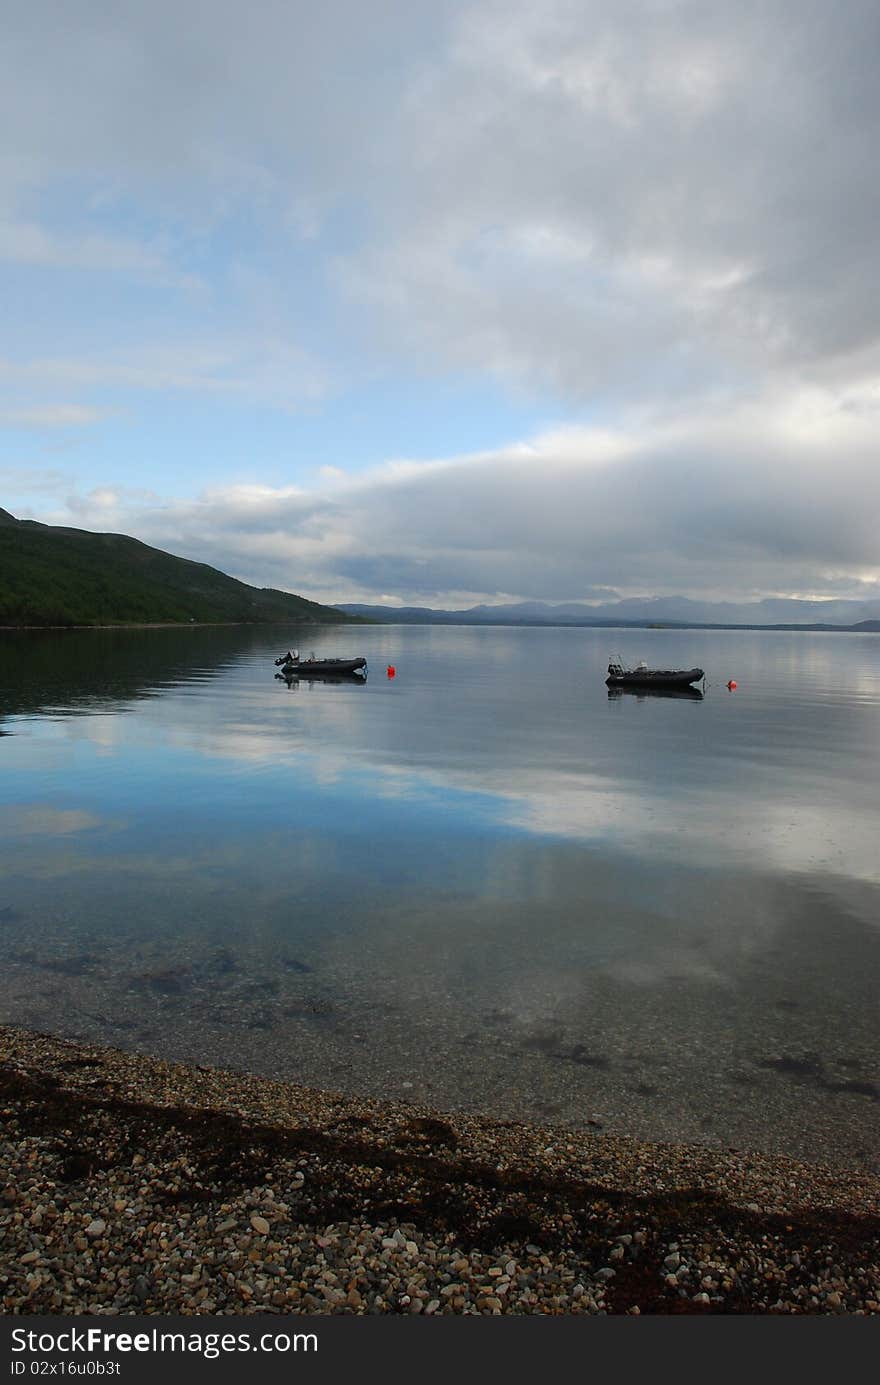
<point>673,611</point>
<point>55,576</point>
<point>52,576</point>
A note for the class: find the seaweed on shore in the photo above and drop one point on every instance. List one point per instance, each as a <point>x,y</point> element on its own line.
<point>96,1118</point>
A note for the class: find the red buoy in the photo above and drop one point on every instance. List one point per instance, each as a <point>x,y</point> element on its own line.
<point>391,671</point>
<point>731,685</point>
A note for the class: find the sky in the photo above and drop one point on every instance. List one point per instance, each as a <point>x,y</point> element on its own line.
<point>440,302</point>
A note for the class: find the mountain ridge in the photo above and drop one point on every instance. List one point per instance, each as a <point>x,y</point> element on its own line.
<point>671,612</point>
<point>57,576</point>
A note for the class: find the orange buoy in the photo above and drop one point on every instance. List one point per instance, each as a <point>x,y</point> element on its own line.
<point>391,671</point>
<point>731,685</point>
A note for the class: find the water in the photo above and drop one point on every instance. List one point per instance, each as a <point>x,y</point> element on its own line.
<point>485,884</point>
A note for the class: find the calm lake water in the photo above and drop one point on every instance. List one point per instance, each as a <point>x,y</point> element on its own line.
<point>485,884</point>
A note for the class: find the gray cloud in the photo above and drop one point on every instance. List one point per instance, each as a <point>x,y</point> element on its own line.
<point>661,208</point>
<point>641,197</point>
<point>243,101</point>
<point>783,499</point>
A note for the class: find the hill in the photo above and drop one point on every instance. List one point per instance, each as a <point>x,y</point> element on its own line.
<point>673,613</point>
<point>55,576</point>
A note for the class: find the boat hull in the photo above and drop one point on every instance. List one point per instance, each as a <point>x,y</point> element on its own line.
<point>655,678</point>
<point>309,668</point>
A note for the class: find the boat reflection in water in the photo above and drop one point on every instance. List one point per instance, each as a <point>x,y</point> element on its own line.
<point>683,694</point>
<point>295,680</point>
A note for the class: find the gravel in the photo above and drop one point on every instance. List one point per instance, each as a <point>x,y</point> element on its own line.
<point>134,1185</point>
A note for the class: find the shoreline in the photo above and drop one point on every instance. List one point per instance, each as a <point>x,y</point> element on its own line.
<point>349,619</point>
<point>197,624</point>
<point>131,1184</point>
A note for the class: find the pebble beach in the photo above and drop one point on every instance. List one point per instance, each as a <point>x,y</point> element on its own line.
<point>134,1185</point>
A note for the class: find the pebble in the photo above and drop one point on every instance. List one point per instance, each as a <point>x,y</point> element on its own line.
<point>186,1208</point>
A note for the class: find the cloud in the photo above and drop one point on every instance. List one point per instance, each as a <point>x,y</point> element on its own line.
<point>31,244</point>
<point>26,479</point>
<point>654,215</point>
<point>205,101</point>
<point>750,503</point>
<point>637,198</point>
<point>579,197</point>
<point>54,416</point>
<point>249,367</point>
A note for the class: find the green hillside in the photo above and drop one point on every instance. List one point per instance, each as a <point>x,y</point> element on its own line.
<point>53,576</point>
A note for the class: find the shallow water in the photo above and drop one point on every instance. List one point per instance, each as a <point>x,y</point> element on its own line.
<point>485,883</point>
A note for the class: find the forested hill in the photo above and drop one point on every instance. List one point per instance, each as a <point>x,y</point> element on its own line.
<point>54,576</point>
